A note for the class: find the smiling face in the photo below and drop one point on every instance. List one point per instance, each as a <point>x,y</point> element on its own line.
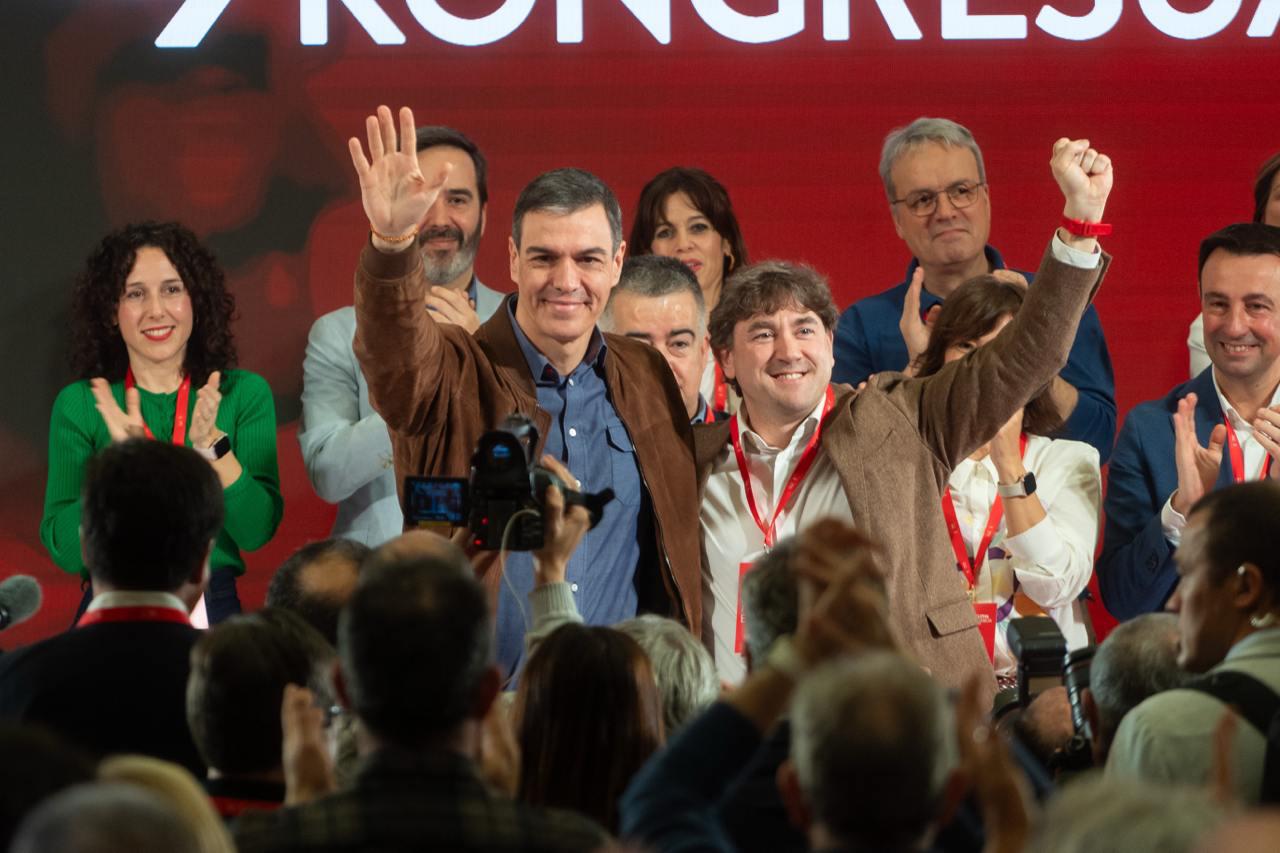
<point>949,236</point>
<point>782,362</point>
<point>154,313</point>
<point>1240,297</point>
<point>563,271</point>
<point>449,235</point>
<point>670,324</point>
<point>686,234</point>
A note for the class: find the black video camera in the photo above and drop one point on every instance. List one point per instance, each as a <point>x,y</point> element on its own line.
<point>503,498</point>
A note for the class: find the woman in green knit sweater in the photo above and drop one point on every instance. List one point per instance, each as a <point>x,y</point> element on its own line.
<point>153,348</point>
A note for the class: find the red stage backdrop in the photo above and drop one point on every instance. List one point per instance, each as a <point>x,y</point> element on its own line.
<point>233,115</point>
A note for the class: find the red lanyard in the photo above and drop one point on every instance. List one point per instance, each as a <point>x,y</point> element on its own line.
<point>179,411</point>
<point>234,807</point>
<point>970,565</point>
<point>145,613</point>
<point>720,397</point>
<point>1237,455</point>
<point>802,468</point>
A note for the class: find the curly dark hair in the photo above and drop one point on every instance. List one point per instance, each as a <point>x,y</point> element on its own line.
<point>970,313</point>
<point>97,347</point>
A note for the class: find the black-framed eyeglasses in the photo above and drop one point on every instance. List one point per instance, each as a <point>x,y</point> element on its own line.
<point>924,202</point>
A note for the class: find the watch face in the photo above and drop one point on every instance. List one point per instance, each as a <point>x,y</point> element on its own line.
<point>221,447</point>
<point>1029,483</point>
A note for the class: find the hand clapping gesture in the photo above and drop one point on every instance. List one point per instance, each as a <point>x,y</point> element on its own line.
<point>915,329</point>
<point>1197,466</point>
<point>203,429</point>
<point>121,425</point>
<point>395,193</point>
<point>1266,429</point>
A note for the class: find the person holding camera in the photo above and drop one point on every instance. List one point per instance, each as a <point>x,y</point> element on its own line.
<point>591,396</point>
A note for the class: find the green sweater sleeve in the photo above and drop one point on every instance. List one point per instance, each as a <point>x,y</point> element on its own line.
<point>254,505</point>
<point>76,433</point>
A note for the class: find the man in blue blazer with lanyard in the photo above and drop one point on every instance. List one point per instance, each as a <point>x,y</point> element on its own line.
<point>1221,427</point>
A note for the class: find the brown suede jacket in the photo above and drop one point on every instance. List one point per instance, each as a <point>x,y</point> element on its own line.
<point>439,389</point>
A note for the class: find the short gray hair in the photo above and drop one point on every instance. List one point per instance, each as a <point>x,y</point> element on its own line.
<point>682,667</point>
<point>566,191</point>
<point>873,742</point>
<point>652,276</point>
<point>1104,813</point>
<point>770,605</point>
<point>1138,659</point>
<point>942,131</point>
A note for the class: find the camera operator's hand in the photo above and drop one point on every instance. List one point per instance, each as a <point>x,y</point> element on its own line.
<point>562,529</point>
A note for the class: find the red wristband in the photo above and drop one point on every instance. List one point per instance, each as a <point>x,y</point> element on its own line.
<point>1080,228</point>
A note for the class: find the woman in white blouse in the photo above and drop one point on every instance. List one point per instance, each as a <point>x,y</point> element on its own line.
<point>1037,547</point>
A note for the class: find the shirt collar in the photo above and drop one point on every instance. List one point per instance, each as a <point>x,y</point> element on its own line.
<point>540,368</point>
<point>125,598</point>
<point>752,442</point>
<point>927,299</point>
<point>703,414</point>
<point>1237,422</point>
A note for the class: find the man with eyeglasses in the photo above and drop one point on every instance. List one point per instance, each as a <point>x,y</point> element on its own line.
<point>936,183</point>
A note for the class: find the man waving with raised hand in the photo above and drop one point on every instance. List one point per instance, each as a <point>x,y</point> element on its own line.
<point>589,394</point>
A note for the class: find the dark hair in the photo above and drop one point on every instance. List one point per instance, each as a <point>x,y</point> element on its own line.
<point>149,511</point>
<point>1262,186</point>
<point>707,195</point>
<point>588,716</point>
<point>1241,529</point>
<point>37,765</point>
<point>766,288</point>
<point>653,276</point>
<point>972,311</point>
<point>239,670</point>
<point>437,135</point>
<point>566,191</point>
<point>97,348</point>
<point>298,585</point>
<point>1242,238</point>
<point>415,641</point>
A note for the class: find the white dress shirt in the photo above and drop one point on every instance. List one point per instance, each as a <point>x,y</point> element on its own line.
<point>729,531</point>
<point>1052,561</point>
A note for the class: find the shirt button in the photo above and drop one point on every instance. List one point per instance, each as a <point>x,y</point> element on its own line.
<point>573,433</point>
<point>573,587</point>
<point>570,381</point>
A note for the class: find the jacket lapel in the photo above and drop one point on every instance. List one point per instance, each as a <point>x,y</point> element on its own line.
<point>1208,416</point>
<point>497,337</point>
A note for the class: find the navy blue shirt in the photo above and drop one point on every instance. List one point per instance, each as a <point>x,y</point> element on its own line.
<point>868,341</point>
<point>589,438</point>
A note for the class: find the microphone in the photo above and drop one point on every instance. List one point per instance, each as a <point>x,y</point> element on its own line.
<point>19,599</point>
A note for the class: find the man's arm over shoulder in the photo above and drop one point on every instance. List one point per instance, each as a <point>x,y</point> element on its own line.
<point>342,450</point>
<point>1136,573</point>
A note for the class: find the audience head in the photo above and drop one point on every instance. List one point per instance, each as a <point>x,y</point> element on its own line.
<point>1106,813</point>
<point>770,601</point>
<point>682,667</point>
<point>873,754</point>
<point>1240,299</point>
<point>588,716</point>
<point>1138,659</point>
<point>772,333</point>
<point>138,273</point>
<point>971,317</point>
<point>566,255</point>
<point>37,765</point>
<point>105,817</point>
<point>686,214</point>
<point>449,235</point>
<point>180,792</point>
<point>936,182</point>
<point>1266,192</point>
<point>1229,572</point>
<point>658,301</point>
<point>239,670</point>
<point>149,513</point>
<point>415,645</point>
<point>317,581</point>
<point>1045,726</point>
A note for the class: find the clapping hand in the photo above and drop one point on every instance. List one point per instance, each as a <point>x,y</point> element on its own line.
<point>204,428</point>
<point>1197,466</point>
<point>395,193</point>
<point>1266,429</point>
<point>308,768</point>
<point>915,329</point>
<point>121,424</point>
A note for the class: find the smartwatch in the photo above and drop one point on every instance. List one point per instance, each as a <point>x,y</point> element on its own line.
<point>217,450</point>
<point>1020,489</point>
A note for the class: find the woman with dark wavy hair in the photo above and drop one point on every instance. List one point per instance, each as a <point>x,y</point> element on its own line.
<point>151,324</point>
<point>686,214</point>
<point>1022,509</point>
<point>588,715</point>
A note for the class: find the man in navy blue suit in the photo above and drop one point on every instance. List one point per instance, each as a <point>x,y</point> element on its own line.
<point>1221,427</point>
<point>936,182</point>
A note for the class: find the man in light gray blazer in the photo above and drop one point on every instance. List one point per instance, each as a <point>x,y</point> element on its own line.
<point>344,441</point>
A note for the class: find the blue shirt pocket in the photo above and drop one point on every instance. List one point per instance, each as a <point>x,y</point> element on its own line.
<point>624,471</point>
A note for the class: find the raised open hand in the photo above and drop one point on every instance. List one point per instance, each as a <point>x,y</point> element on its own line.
<point>1266,429</point>
<point>203,429</point>
<point>121,424</point>
<point>395,193</point>
<point>1197,466</point>
<point>1084,176</point>
<point>915,329</point>
<point>308,769</point>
